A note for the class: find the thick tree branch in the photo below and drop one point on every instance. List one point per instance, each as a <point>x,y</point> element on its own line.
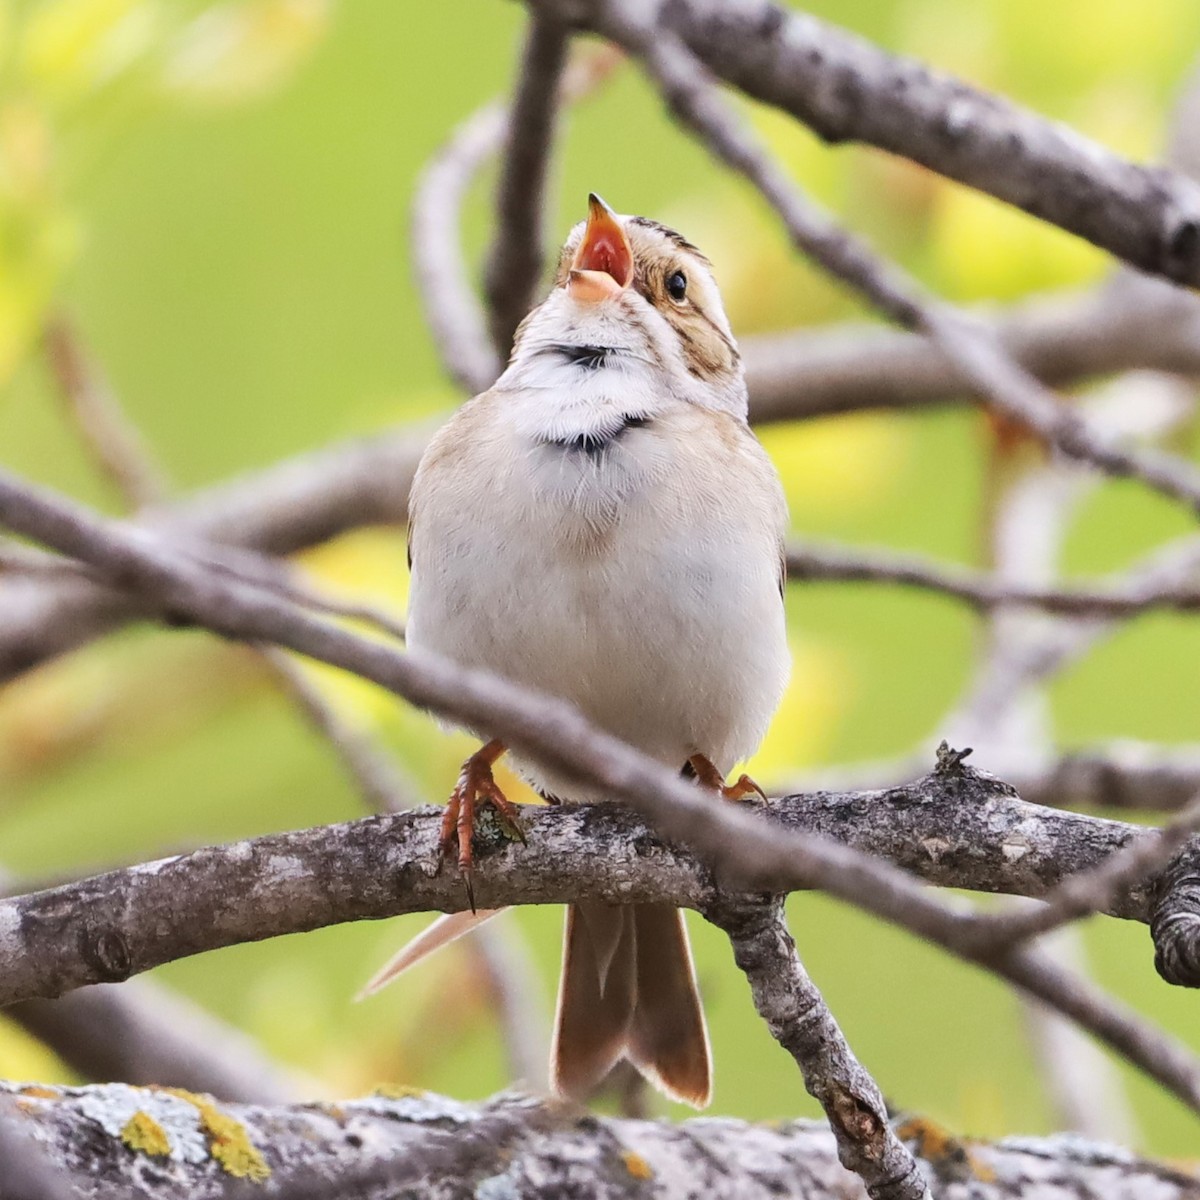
<point>141,1033</point>
<point>959,829</point>
<point>439,1149</point>
<point>996,378</point>
<point>748,851</point>
<point>1130,323</point>
<point>847,89</point>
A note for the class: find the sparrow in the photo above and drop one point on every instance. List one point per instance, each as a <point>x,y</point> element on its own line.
<point>602,525</point>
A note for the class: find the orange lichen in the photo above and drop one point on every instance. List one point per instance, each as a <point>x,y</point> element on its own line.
<point>142,1132</point>
<point>933,1141</point>
<point>41,1093</point>
<point>228,1141</point>
<point>636,1165</point>
<point>939,1147</point>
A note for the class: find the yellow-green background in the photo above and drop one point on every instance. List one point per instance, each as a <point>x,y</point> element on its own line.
<point>219,196</point>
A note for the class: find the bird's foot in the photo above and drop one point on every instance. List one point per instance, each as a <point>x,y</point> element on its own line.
<point>708,776</point>
<point>475,786</point>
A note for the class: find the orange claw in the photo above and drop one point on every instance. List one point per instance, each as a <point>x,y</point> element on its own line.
<point>708,776</point>
<point>475,785</point>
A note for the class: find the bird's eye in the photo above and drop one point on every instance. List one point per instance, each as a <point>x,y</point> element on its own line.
<point>677,286</point>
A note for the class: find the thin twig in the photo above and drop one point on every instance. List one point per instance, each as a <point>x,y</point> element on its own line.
<point>799,1019</point>
<point>1120,596</point>
<point>117,446</point>
<point>516,257</point>
<point>281,576</point>
<point>452,309</point>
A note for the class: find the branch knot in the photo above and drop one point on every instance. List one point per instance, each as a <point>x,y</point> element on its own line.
<point>1175,919</point>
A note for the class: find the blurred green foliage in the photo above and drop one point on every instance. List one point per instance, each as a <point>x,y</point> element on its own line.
<point>218,195</point>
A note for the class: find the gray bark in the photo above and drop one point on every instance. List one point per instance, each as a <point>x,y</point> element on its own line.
<point>961,829</point>
<point>846,89</point>
<point>519,1148</point>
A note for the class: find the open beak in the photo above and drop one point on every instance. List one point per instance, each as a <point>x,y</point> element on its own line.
<point>603,264</point>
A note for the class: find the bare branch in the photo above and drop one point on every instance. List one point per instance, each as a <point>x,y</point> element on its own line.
<point>516,258</point>
<point>115,443</point>
<point>750,852</point>
<point>800,1020</point>
<point>286,579</point>
<point>1121,597</point>
<point>293,504</point>
<point>513,1145</point>
<point>452,309</point>
<point>1130,323</point>
<point>957,829</point>
<point>1086,1089</point>
<point>141,1033</point>
<point>997,379</point>
<point>847,89</point>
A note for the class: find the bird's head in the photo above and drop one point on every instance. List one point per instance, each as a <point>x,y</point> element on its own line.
<point>644,294</point>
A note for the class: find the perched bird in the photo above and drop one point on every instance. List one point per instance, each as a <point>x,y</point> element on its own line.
<point>602,525</point>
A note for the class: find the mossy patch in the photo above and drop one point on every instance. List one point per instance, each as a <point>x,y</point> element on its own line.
<point>143,1133</point>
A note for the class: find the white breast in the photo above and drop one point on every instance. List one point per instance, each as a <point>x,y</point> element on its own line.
<point>638,578</point>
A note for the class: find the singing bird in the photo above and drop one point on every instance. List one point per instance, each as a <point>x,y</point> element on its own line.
<point>602,525</point>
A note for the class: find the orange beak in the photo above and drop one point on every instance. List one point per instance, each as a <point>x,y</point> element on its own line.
<point>603,264</point>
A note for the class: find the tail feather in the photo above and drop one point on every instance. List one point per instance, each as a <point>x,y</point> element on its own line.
<point>433,937</point>
<point>629,990</point>
<point>596,997</point>
<point>668,1040</point>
